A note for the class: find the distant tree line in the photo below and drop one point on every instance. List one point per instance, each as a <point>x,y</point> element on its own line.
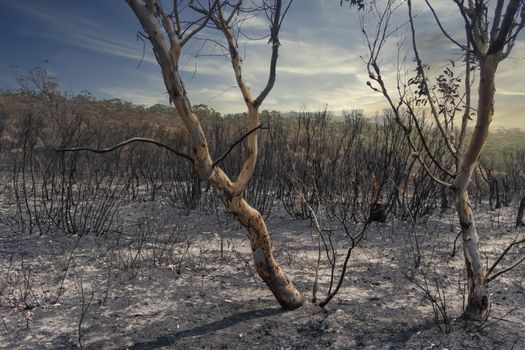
<point>320,151</point>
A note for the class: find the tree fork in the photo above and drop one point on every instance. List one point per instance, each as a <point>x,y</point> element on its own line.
<point>265,264</point>
<point>156,23</point>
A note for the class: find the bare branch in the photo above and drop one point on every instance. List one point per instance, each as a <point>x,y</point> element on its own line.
<point>430,174</point>
<point>468,27</point>
<point>176,13</point>
<point>354,242</point>
<point>124,143</point>
<point>421,69</point>
<point>507,269</point>
<point>497,18</point>
<point>274,40</point>
<point>497,45</point>
<point>445,33</point>
<point>500,258</point>
<point>239,140</point>
<point>425,144</point>
<point>200,27</point>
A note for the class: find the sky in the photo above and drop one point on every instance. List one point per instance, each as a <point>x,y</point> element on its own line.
<point>92,45</point>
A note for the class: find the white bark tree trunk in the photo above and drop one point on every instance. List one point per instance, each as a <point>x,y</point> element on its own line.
<point>477,289</point>
<point>265,264</point>
<point>231,193</point>
<point>478,298</point>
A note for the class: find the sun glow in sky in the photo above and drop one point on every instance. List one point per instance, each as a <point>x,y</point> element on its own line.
<point>93,46</point>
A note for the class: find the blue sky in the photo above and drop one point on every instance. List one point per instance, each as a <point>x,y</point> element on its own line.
<point>92,45</point>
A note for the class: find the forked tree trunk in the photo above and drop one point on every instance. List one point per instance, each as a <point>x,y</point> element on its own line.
<point>265,264</point>
<point>231,193</point>
<point>478,298</point>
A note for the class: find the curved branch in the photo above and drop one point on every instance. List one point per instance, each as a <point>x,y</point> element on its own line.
<point>124,143</point>
<point>500,258</point>
<point>445,33</point>
<point>429,173</point>
<point>225,154</point>
<point>507,269</point>
<point>200,27</point>
<point>274,40</point>
<point>354,243</point>
<point>421,69</point>
<point>425,144</point>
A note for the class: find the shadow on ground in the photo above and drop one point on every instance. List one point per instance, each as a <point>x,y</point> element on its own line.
<point>238,318</point>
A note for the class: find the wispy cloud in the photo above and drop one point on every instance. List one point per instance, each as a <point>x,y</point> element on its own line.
<point>320,60</point>
<point>75,30</point>
<point>149,92</point>
<point>137,95</point>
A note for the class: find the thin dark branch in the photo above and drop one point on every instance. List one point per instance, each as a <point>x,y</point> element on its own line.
<point>235,10</point>
<point>354,243</point>
<point>425,144</point>
<point>274,40</point>
<point>141,36</point>
<point>421,69</point>
<point>176,14</point>
<point>461,46</point>
<point>484,325</point>
<point>124,143</point>
<point>454,246</point>
<point>500,258</point>
<point>319,236</point>
<point>198,29</point>
<point>505,270</point>
<point>468,28</point>
<point>225,154</point>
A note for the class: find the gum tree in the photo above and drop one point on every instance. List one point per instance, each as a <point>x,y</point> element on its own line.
<point>490,32</point>
<point>169,32</point>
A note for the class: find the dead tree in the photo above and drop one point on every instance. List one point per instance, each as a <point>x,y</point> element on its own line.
<point>168,34</point>
<point>490,36</point>
<point>486,172</point>
<point>514,165</point>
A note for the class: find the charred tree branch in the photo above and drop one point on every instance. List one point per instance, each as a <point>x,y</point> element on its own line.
<point>124,143</point>
<point>239,140</point>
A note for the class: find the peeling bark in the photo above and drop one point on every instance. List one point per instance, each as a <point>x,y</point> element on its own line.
<point>478,298</point>
<point>504,26</point>
<point>476,281</point>
<point>231,193</point>
<point>265,264</point>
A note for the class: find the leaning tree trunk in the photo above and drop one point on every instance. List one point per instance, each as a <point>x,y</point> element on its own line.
<point>265,264</point>
<point>231,193</point>
<point>476,284</point>
<point>476,278</point>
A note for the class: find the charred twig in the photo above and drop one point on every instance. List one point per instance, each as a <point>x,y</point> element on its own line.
<point>454,246</point>
<point>239,140</point>
<point>355,241</point>
<point>124,143</point>
<point>500,258</point>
